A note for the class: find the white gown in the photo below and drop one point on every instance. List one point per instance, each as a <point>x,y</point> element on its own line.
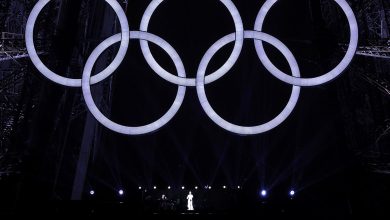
<point>189,202</point>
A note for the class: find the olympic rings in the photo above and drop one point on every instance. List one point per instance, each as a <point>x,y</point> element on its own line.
<point>240,129</point>
<point>117,127</point>
<point>29,35</point>
<point>339,69</point>
<point>202,78</point>
<point>210,78</point>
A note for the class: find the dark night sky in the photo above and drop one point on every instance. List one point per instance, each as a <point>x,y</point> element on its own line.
<point>191,149</point>
<point>309,152</point>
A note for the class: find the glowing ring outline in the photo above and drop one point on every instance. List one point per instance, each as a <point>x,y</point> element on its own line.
<point>337,71</point>
<point>70,82</point>
<point>243,130</point>
<point>200,81</point>
<point>127,130</point>
<point>192,81</point>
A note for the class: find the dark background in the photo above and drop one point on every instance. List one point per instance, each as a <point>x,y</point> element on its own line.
<point>314,151</point>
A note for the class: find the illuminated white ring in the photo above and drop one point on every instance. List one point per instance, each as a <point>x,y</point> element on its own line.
<point>353,44</point>
<point>200,84</point>
<point>125,129</point>
<point>69,81</point>
<point>239,34</point>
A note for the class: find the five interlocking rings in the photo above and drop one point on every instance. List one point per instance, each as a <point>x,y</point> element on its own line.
<point>181,80</point>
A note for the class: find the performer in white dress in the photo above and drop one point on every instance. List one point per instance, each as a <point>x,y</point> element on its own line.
<point>190,206</point>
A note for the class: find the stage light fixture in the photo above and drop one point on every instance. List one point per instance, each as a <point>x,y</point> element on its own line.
<point>92,192</point>
<point>139,187</point>
<point>263,193</point>
<point>121,192</point>
<point>224,187</point>
<point>292,193</point>
<point>209,187</point>
<point>169,187</point>
<point>182,187</point>
<point>238,187</point>
<point>154,187</point>
<point>196,187</point>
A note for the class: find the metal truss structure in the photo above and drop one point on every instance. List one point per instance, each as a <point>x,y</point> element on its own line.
<point>379,50</point>
<point>15,101</point>
<point>367,93</point>
<point>12,75</point>
<point>16,77</point>
<point>12,47</point>
<point>375,14</point>
<point>374,51</point>
<point>370,72</point>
